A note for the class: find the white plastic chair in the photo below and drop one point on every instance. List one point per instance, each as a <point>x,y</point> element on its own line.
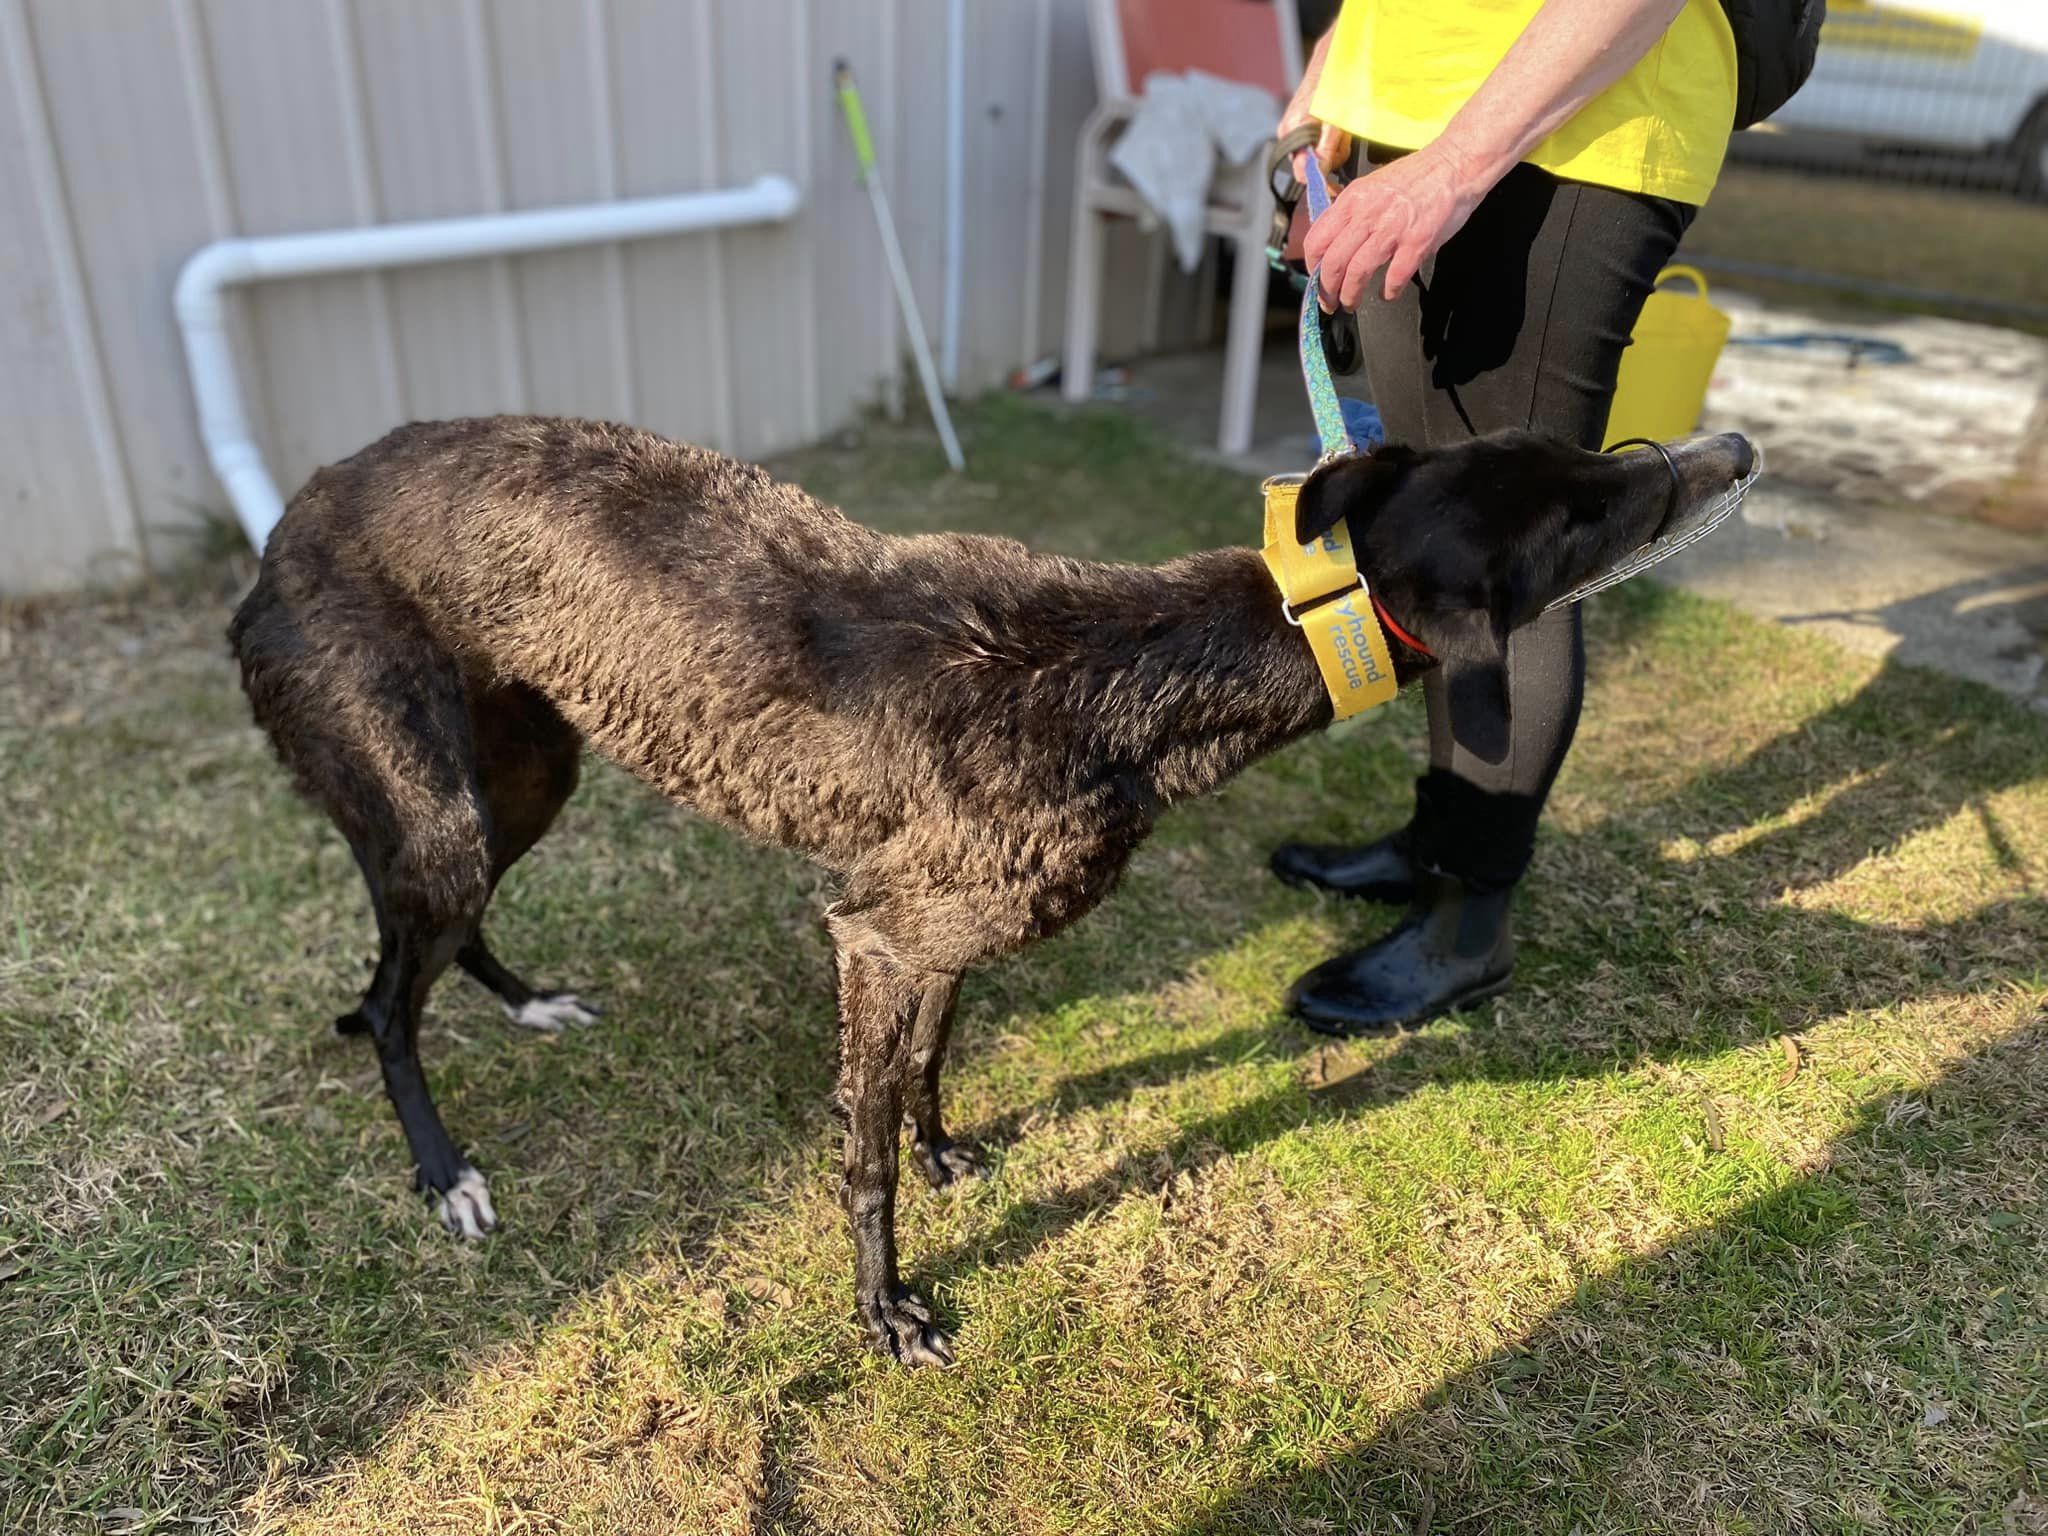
<point>1255,41</point>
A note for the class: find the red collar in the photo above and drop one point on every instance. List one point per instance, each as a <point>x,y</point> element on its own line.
<point>1396,630</point>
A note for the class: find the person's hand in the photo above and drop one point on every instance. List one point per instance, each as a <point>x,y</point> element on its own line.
<point>1333,145</point>
<point>1396,217</point>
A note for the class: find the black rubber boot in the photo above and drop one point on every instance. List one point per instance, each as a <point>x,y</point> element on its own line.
<point>1453,949</point>
<point>1381,871</point>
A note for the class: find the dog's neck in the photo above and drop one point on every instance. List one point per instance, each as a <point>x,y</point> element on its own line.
<point>1208,678</point>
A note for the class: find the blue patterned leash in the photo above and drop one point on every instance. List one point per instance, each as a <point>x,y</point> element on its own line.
<point>1332,430</point>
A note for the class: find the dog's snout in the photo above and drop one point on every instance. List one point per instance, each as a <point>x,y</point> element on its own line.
<point>1711,462</point>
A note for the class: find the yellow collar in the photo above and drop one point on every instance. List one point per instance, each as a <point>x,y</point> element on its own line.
<point>1325,597</point>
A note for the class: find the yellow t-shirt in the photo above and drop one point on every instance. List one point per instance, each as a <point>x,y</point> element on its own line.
<point>1399,70</point>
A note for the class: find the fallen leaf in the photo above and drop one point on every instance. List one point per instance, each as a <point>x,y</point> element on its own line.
<point>56,1109</point>
<point>1791,1049</point>
<point>761,1288</point>
<point>1935,1414</point>
<point>1715,1132</point>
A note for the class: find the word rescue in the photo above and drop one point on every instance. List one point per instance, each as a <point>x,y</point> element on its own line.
<point>1352,630</point>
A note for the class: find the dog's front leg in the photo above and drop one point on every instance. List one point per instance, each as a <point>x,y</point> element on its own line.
<point>943,1160</point>
<point>879,1002</point>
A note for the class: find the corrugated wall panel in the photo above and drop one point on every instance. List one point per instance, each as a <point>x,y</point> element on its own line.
<point>677,290</point>
<point>167,123</point>
<point>553,115</point>
<point>849,274</point>
<point>1070,96</point>
<point>432,152</point>
<point>321,359</point>
<point>910,108</point>
<point>761,52</point>
<point>1001,79</point>
<point>123,131</point>
<point>64,512</point>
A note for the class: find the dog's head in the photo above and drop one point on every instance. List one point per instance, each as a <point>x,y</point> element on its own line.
<point>1467,543</point>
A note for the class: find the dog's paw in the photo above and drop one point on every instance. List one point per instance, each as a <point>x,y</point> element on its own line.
<point>553,1011</point>
<point>465,1208</point>
<point>351,1024</point>
<point>948,1162</point>
<point>900,1325</point>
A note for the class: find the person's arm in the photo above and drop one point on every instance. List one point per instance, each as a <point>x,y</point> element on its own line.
<point>1333,145</point>
<point>1401,214</point>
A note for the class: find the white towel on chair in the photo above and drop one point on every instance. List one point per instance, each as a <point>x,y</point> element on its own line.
<point>1169,151</point>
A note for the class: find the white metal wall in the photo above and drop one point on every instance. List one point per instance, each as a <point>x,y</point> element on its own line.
<point>134,131</point>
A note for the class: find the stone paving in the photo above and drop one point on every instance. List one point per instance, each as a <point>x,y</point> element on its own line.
<point>1901,411</point>
<point>1904,501</point>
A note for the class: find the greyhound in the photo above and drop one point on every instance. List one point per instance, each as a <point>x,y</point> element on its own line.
<point>972,737</point>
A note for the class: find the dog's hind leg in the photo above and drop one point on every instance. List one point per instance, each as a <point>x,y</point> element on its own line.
<point>416,823</point>
<point>527,759</point>
<point>370,716</point>
<point>416,948</point>
<point>522,1003</point>
<point>880,1001</point>
<point>942,1159</point>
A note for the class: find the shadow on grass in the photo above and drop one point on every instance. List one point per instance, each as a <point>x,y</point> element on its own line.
<point>707,1090</point>
<point>1737,1324</point>
<point>1507,1051</point>
<point>1902,754</point>
<point>1666,1392</point>
<point>1728,963</point>
<point>1893,788</point>
<point>1904,762</point>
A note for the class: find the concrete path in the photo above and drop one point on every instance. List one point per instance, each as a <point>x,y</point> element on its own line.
<point>1905,508</point>
<point>1891,517</point>
<point>1933,591</point>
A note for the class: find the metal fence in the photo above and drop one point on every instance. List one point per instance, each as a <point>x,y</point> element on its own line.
<point>1911,171</point>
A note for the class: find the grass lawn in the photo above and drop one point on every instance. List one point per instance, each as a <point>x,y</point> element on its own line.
<point>1730,1218</point>
<point>1985,245</point>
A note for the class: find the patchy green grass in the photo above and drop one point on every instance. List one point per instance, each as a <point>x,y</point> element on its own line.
<point>1729,1219</point>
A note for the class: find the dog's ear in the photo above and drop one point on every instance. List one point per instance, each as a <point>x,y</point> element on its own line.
<point>1349,488</point>
<point>1474,647</point>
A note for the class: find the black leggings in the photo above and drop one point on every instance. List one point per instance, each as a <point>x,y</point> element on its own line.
<point>1519,321</point>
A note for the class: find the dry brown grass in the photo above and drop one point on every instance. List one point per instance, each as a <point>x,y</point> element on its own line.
<point>1983,245</point>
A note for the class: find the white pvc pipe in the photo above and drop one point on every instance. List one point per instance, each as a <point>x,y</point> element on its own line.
<point>213,269</point>
<point>956,190</point>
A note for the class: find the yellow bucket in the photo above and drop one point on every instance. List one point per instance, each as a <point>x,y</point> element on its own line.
<point>1664,372</point>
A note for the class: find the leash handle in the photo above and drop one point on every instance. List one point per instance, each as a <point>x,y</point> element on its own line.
<point>1286,188</point>
<point>1331,430</point>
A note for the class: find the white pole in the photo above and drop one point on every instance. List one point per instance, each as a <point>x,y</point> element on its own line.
<point>920,346</point>
<point>956,182</point>
<point>906,296</point>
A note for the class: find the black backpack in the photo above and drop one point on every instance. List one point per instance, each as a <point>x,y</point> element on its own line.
<point>1775,41</point>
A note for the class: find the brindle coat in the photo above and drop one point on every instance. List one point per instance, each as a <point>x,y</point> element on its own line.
<point>973,737</point>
